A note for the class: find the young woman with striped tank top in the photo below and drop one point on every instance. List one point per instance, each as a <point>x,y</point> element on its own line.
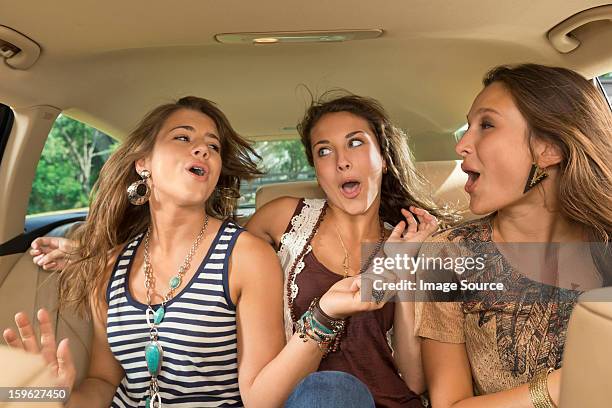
<point>167,331</point>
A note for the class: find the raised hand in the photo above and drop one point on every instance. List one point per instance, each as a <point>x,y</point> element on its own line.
<point>407,235</point>
<point>52,253</point>
<point>58,357</point>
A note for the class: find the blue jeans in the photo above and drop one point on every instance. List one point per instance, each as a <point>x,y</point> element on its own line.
<point>330,389</point>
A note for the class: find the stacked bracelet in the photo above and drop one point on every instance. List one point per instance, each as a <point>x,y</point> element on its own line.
<point>538,390</point>
<point>318,326</point>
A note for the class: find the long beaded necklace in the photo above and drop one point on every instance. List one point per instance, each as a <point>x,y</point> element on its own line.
<point>153,350</point>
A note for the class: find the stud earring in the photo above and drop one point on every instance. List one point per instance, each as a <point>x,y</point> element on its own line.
<point>139,191</point>
<point>536,175</point>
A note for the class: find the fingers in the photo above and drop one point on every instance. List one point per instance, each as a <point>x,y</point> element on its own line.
<point>50,260</point>
<point>47,337</point>
<point>53,257</point>
<point>12,339</point>
<point>26,331</point>
<point>398,231</point>
<point>45,244</point>
<point>412,222</point>
<point>66,370</point>
<point>51,266</point>
<point>356,284</point>
<point>373,289</point>
<point>428,222</point>
<point>426,226</point>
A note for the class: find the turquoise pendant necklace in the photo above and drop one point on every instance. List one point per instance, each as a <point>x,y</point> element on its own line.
<point>153,350</point>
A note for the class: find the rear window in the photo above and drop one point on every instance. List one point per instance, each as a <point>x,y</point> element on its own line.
<point>284,161</point>
<point>606,83</point>
<point>69,166</point>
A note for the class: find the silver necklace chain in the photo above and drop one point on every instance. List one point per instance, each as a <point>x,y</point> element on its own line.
<point>182,270</point>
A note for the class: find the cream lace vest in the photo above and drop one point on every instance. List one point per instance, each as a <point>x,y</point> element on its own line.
<point>292,245</point>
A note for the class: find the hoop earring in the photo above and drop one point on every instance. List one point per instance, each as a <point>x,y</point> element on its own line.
<point>536,175</point>
<point>228,197</point>
<point>139,191</point>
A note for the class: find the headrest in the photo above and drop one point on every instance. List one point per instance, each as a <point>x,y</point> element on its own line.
<point>446,181</point>
<point>587,361</point>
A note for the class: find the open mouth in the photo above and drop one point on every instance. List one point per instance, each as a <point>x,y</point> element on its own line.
<point>198,171</point>
<point>351,188</point>
<point>472,179</point>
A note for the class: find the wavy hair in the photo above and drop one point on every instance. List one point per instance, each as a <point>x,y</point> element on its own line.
<point>112,221</point>
<point>562,107</point>
<point>402,186</point>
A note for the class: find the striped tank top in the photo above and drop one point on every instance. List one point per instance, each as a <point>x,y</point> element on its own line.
<point>198,334</point>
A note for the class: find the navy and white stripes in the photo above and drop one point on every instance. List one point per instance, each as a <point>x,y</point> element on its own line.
<point>198,334</point>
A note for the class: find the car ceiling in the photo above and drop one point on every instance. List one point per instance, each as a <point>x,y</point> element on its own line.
<point>107,63</point>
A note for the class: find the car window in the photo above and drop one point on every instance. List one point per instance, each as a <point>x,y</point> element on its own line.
<point>606,84</point>
<point>283,161</point>
<point>6,123</point>
<point>69,166</point>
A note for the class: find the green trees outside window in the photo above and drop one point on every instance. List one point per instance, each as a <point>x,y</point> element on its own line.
<point>69,166</point>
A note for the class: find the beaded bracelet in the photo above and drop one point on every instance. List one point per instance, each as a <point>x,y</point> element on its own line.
<point>325,333</point>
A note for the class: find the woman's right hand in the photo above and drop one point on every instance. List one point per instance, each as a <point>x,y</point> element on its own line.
<point>58,358</point>
<point>353,295</point>
<point>52,253</point>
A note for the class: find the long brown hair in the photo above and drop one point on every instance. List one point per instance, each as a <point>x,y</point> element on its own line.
<point>402,186</point>
<point>562,107</point>
<point>112,221</point>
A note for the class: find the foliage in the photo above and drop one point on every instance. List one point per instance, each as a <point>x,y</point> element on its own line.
<point>75,152</point>
<point>69,165</point>
<point>283,161</point>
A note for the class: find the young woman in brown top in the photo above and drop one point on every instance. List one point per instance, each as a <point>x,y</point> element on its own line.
<point>363,164</point>
<point>529,120</point>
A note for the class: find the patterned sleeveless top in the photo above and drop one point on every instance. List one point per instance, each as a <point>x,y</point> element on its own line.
<point>198,334</point>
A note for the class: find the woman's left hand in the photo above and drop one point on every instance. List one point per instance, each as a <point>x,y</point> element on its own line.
<point>407,236</point>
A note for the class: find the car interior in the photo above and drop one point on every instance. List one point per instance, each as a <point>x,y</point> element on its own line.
<point>106,64</point>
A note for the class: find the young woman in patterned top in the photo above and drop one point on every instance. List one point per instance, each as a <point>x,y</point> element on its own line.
<point>538,153</point>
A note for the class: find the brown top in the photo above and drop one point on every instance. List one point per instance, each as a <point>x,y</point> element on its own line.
<point>507,341</point>
<point>364,350</point>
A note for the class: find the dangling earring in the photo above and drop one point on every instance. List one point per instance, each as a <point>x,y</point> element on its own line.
<point>138,192</point>
<point>385,169</point>
<point>228,197</point>
<point>536,175</point>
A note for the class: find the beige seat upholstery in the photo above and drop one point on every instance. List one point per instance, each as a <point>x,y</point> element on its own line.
<point>586,379</point>
<point>38,288</point>
<point>446,181</point>
<point>21,369</point>
<point>268,192</point>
